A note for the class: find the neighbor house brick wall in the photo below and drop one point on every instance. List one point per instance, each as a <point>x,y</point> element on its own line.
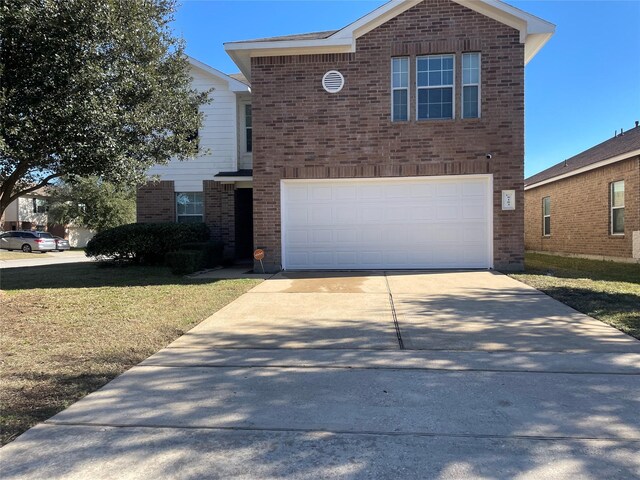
<point>219,213</point>
<point>156,202</point>
<point>301,131</point>
<point>580,212</point>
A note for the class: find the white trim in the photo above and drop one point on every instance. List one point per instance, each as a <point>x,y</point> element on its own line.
<point>593,166</point>
<point>612,208</point>
<point>234,85</point>
<point>433,87</point>
<point>485,176</point>
<point>407,88</point>
<point>534,32</point>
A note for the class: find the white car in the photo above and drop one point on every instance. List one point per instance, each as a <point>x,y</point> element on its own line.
<point>27,241</point>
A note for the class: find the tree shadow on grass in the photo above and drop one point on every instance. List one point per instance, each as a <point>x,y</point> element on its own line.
<point>91,275</point>
<point>622,310</point>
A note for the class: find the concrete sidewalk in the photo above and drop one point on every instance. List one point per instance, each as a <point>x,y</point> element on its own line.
<point>343,375</point>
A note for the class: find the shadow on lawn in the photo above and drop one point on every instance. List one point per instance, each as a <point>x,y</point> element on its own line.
<point>622,309</point>
<point>91,275</point>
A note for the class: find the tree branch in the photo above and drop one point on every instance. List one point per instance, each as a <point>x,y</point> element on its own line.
<point>43,183</point>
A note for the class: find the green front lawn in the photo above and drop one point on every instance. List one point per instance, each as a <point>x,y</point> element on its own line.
<point>69,329</point>
<point>608,291</point>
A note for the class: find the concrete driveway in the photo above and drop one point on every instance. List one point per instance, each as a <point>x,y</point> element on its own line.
<point>378,375</point>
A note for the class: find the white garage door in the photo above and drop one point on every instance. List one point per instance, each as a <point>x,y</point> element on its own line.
<point>399,223</point>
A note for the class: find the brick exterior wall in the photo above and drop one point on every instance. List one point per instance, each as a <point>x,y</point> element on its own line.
<point>580,213</point>
<point>219,214</point>
<point>156,202</point>
<point>301,131</point>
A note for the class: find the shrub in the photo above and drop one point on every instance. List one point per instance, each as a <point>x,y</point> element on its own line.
<point>212,252</point>
<point>145,243</point>
<point>183,262</point>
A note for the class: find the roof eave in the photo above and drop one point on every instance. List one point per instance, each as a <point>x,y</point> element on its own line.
<point>234,85</point>
<point>586,168</point>
<point>534,32</point>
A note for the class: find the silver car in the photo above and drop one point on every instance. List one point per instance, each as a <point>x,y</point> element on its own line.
<point>61,243</point>
<point>27,241</point>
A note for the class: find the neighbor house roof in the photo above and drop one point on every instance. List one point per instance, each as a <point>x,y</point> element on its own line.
<point>618,148</point>
<point>534,33</point>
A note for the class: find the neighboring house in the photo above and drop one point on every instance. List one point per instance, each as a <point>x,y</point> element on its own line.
<point>215,187</point>
<point>588,205</point>
<point>396,142</point>
<point>28,212</point>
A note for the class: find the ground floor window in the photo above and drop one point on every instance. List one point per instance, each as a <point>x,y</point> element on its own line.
<point>617,208</point>
<point>189,207</point>
<point>546,216</point>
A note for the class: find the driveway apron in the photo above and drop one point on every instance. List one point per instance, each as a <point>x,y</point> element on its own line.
<point>362,375</point>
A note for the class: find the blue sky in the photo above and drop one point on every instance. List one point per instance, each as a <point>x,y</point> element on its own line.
<point>582,86</point>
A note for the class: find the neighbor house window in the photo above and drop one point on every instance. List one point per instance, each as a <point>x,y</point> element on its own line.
<point>189,207</point>
<point>546,216</point>
<point>39,205</point>
<point>248,131</point>
<point>617,208</point>
<point>471,85</point>
<point>400,89</point>
<point>434,82</point>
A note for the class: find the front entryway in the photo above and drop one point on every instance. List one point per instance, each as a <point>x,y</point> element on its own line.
<point>244,223</point>
<point>397,223</point>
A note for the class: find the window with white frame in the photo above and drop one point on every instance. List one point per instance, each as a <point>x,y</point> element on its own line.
<point>434,80</point>
<point>617,208</point>
<point>400,89</point>
<point>189,207</point>
<point>248,129</point>
<point>546,216</point>
<point>471,85</point>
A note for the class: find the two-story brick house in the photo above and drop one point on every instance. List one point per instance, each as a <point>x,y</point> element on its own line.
<point>395,142</point>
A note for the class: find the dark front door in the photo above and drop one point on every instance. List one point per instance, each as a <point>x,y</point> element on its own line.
<point>244,223</point>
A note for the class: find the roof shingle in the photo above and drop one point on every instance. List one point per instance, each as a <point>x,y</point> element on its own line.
<point>621,144</point>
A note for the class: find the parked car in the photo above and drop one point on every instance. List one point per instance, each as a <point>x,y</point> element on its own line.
<point>61,243</point>
<point>27,241</point>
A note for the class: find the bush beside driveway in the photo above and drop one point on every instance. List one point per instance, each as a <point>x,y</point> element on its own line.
<point>69,329</point>
<point>608,291</point>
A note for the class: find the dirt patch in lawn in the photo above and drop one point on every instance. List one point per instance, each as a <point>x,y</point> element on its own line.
<point>69,329</point>
<point>608,291</point>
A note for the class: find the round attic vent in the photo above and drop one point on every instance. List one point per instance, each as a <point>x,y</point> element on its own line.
<point>333,81</point>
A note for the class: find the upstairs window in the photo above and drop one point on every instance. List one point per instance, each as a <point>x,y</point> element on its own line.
<point>40,205</point>
<point>400,89</point>
<point>617,208</point>
<point>471,85</point>
<point>435,74</point>
<point>189,207</point>
<point>248,130</point>
<point>546,216</point>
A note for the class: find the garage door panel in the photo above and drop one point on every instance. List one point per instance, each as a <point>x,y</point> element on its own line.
<point>426,222</point>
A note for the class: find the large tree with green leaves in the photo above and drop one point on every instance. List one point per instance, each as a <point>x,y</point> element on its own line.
<point>91,88</point>
<point>92,203</point>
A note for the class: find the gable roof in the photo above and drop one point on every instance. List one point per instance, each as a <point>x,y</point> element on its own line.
<point>235,85</point>
<point>616,149</point>
<point>534,33</point>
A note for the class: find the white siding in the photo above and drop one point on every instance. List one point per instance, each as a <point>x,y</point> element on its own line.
<point>218,139</point>
<point>26,214</point>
